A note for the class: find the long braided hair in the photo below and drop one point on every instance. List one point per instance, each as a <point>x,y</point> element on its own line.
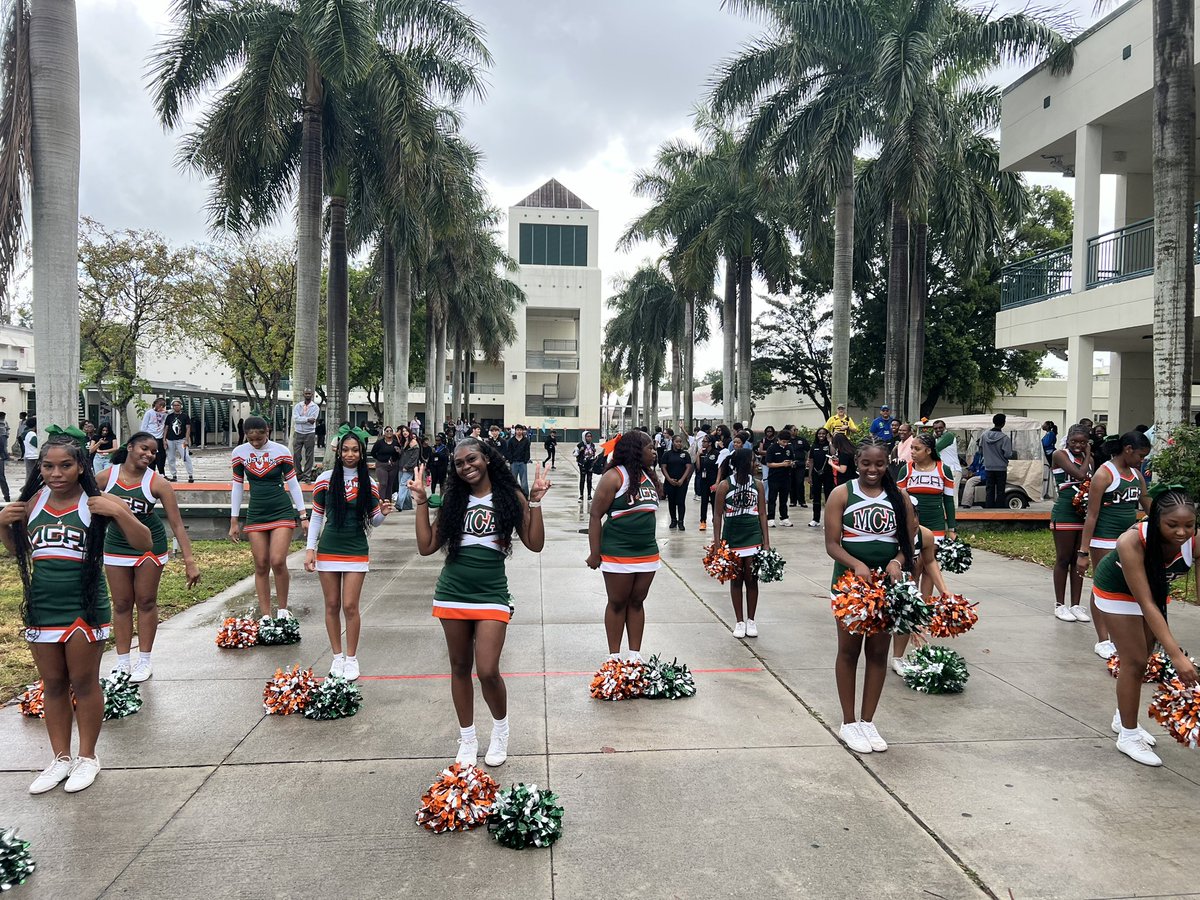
<point>336,501</point>
<point>92,580</point>
<point>1154,558</point>
<point>628,453</point>
<point>506,505</point>
<point>895,498</point>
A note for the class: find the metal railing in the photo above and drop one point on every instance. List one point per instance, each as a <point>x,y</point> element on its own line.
<point>487,388</point>
<point>1123,253</point>
<point>555,345</point>
<point>1045,275</point>
<point>542,361</point>
<point>534,407</point>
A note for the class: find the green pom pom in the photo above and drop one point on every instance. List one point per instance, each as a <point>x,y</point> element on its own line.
<point>768,566</point>
<point>334,698</point>
<point>954,556</point>
<point>272,630</point>
<point>15,862</point>
<point>667,681</point>
<point>907,611</point>
<point>935,670</point>
<point>121,696</point>
<point>435,501</point>
<point>524,816</point>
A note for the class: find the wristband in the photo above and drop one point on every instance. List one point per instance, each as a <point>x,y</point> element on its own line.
<point>1082,553</point>
<point>535,504</point>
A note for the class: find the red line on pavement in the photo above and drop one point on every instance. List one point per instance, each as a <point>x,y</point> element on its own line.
<point>534,674</point>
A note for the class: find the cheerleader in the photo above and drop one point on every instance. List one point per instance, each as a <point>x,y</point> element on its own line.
<point>276,502</point>
<point>1117,491</point>
<point>623,547</point>
<point>133,576</point>
<point>869,524</point>
<point>742,519</point>
<point>1071,466</point>
<point>482,507</point>
<point>55,531</point>
<point>931,489</point>
<point>1132,588</point>
<point>343,515</point>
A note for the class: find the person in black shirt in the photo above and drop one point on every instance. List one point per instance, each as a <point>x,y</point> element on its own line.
<point>779,463</point>
<point>551,446</point>
<point>439,463</point>
<point>585,455</point>
<point>386,452</point>
<point>517,453</point>
<point>677,471</point>
<point>706,477</point>
<point>800,450</point>
<point>496,442</point>
<point>820,471</point>
<point>177,432</point>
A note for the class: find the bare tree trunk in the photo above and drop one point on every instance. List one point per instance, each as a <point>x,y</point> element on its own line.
<point>403,336</point>
<point>430,359</point>
<point>439,373</point>
<point>54,213</point>
<point>633,401</point>
<point>392,407</point>
<point>897,311</point>
<point>468,358</point>
<point>729,333</point>
<point>689,360</point>
<point>456,380</point>
<point>843,285</point>
<point>337,311</point>
<point>1174,130</point>
<point>647,400</point>
<point>745,408</point>
<point>918,288</point>
<point>676,381</point>
<point>308,238</point>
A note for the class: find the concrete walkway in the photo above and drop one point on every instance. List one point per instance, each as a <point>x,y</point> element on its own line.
<point>1012,789</point>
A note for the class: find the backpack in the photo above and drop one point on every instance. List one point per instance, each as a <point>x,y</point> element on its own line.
<point>599,464</point>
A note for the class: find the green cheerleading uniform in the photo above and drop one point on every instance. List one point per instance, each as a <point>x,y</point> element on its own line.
<point>141,502</point>
<point>1112,592</point>
<point>627,541</point>
<point>275,496</point>
<point>1118,511</point>
<point>1063,515</point>
<point>932,492</point>
<point>742,527</point>
<point>474,585</point>
<point>58,547</point>
<point>341,548</point>
<point>868,530</point>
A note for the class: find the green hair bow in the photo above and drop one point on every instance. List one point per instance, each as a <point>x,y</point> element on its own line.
<point>1160,488</point>
<point>363,437</point>
<point>70,431</point>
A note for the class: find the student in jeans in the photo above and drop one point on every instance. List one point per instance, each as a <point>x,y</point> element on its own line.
<point>997,450</point>
<point>177,430</point>
<point>677,467</point>
<point>518,453</point>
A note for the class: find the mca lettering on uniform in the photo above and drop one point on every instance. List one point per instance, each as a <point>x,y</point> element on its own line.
<point>647,491</point>
<point>874,520</point>
<point>137,506</point>
<point>479,522</point>
<point>57,535</point>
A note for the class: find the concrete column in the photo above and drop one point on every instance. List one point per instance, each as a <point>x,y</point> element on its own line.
<point>1130,391</point>
<point>1080,353</point>
<point>1088,144</point>
<point>1121,202</point>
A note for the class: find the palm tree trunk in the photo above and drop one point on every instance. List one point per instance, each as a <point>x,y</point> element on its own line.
<point>843,285</point>
<point>456,370</point>
<point>308,238</point>
<point>689,360</point>
<point>676,381</point>
<point>468,354</point>
<point>647,399</point>
<point>430,359</point>
<point>439,372</point>
<point>54,214</point>
<point>403,337</point>
<point>897,311</point>
<point>633,401</point>
<point>1174,124</point>
<point>337,310</point>
<point>391,348</point>
<point>745,410</point>
<point>729,333</point>
<point>918,288</point>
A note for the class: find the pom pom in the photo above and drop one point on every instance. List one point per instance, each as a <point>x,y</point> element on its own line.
<point>953,614</point>
<point>272,630</point>
<point>618,679</point>
<point>667,681</point>
<point>953,555</point>
<point>1159,668</point>
<point>721,563</point>
<point>935,670</point>
<point>768,566</point>
<point>860,605</point>
<point>30,701</point>
<point>908,612</point>
<point>121,696</point>
<point>334,698</point>
<point>1080,500</point>
<point>460,799</point>
<point>288,692</point>
<point>523,816</point>
<point>15,862</point>
<point>1177,708</point>
<point>237,633</point>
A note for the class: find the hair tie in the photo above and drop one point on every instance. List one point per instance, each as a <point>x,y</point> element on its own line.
<point>363,437</point>
<point>1159,488</point>
<point>70,433</point>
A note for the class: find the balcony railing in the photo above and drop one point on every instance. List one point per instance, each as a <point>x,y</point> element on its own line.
<point>1120,254</point>
<point>535,407</point>
<point>487,388</point>
<point>542,361</point>
<point>1045,275</point>
<point>559,346</point>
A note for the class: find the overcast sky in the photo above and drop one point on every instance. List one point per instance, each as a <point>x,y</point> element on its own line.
<point>581,92</point>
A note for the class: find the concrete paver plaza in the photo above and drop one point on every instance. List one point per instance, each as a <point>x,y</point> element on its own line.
<point>1011,789</point>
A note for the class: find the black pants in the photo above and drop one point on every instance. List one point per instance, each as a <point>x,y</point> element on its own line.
<point>437,478</point>
<point>549,457</point>
<point>4,476</point>
<point>821,488</point>
<point>798,478</point>
<point>160,458</point>
<point>778,497</point>
<point>704,489</point>
<point>997,483</point>
<point>676,501</point>
<point>387,478</point>
<point>585,477</point>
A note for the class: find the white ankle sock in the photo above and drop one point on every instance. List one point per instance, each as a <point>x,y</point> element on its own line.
<point>467,735</point>
<point>123,659</point>
<point>1129,733</point>
<point>339,656</point>
<point>500,727</point>
<point>351,659</point>
<point>635,656</point>
<point>144,656</point>
<point>616,655</point>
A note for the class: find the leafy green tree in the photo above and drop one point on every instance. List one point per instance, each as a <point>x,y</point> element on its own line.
<point>1048,225</point>
<point>793,340</point>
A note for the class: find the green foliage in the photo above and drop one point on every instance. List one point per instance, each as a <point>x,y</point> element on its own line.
<point>793,338</point>
<point>1178,462</point>
<point>1048,224</point>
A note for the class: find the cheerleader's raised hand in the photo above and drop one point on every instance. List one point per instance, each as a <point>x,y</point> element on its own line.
<point>416,485</point>
<point>541,483</point>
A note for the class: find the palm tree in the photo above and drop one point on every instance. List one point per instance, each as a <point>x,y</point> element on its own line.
<point>39,150</point>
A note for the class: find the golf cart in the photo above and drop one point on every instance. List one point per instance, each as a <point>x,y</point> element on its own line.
<point>1026,473</point>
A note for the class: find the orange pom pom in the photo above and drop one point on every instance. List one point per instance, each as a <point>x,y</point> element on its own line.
<point>1177,708</point>
<point>619,679</point>
<point>1080,500</point>
<point>31,701</point>
<point>237,633</point>
<point>460,799</point>
<point>288,691</point>
<point>860,605</point>
<point>722,563</point>
<point>953,615</point>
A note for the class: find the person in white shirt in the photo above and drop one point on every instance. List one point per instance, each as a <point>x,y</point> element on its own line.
<point>415,426</point>
<point>304,435</point>
<point>948,451</point>
<point>29,441</point>
<point>155,422</point>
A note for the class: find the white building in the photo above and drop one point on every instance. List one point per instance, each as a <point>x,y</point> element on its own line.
<point>550,376</point>
<point>1097,294</point>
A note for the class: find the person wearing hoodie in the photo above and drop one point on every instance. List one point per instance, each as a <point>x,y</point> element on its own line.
<point>997,450</point>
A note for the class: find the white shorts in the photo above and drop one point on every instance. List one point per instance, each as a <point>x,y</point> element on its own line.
<point>60,634</point>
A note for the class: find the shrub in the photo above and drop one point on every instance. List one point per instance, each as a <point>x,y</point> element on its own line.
<point>1178,460</point>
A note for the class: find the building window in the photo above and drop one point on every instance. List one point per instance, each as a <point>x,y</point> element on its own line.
<point>552,245</point>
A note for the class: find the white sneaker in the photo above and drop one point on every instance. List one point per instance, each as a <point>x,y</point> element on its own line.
<point>1105,649</point>
<point>83,772</point>
<point>497,751</point>
<point>1138,750</point>
<point>468,752</point>
<point>786,523</point>
<point>1142,732</point>
<point>283,614</point>
<point>337,668</point>
<point>898,665</point>
<point>50,776</point>
<point>121,667</point>
<point>351,671</point>
<point>739,630</point>
<point>1080,614</point>
<point>751,628</point>
<point>1063,612</point>
<point>141,671</point>
<point>853,737</point>
<point>770,523</point>
<point>871,733</point>
<point>814,524</point>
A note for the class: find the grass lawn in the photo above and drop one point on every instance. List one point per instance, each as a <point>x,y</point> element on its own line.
<point>1031,546</point>
<point>221,564</point>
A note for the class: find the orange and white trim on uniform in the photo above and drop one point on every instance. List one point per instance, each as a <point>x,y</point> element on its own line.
<point>454,609</point>
<point>60,634</point>
<point>342,562</point>
<point>122,560</point>
<point>270,526</point>
<point>748,550</point>
<point>1066,526</point>
<point>650,563</point>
